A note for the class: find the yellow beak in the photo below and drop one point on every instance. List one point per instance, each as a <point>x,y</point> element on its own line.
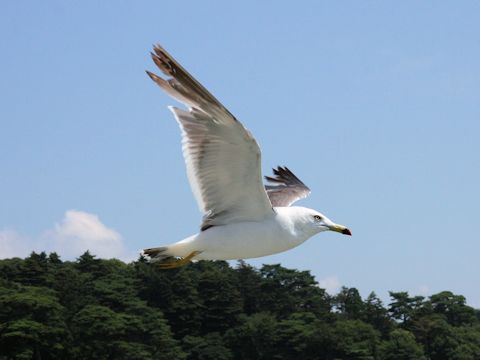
<point>341,229</point>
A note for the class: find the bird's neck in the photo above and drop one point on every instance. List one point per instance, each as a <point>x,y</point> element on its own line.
<point>294,219</point>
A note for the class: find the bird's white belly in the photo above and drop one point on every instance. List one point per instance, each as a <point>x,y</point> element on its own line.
<point>242,241</point>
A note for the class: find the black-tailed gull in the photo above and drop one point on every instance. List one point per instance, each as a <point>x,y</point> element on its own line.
<point>242,218</point>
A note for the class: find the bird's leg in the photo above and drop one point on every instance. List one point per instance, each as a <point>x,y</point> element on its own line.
<point>179,261</point>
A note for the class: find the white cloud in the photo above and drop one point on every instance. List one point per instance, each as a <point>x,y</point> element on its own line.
<point>474,304</point>
<point>12,244</point>
<point>331,284</point>
<point>78,232</point>
<point>423,290</point>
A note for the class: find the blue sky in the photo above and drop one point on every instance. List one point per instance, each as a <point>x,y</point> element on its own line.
<point>374,105</point>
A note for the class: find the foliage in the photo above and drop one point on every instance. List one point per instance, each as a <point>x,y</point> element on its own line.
<point>106,309</point>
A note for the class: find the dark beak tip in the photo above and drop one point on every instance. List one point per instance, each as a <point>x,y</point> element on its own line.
<point>347,232</point>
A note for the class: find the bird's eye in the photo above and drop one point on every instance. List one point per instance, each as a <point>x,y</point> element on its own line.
<point>317,217</point>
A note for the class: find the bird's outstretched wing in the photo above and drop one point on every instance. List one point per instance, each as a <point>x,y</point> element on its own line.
<point>287,189</point>
<point>222,157</point>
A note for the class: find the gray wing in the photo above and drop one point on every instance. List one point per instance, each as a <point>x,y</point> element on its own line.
<point>287,189</point>
<point>221,156</point>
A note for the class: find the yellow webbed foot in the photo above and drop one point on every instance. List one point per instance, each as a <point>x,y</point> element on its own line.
<point>178,262</point>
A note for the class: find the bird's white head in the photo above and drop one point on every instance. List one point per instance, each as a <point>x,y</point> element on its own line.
<point>312,222</point>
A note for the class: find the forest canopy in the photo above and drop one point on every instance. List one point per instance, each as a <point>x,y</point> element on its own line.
<point>106,309</point>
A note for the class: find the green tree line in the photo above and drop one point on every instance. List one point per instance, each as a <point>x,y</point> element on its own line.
<point>106,309</point>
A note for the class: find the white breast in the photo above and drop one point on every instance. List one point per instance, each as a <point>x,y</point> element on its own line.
<point>247,239</point>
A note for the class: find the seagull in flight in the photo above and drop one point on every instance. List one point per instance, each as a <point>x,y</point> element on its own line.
<point>242,217</point>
